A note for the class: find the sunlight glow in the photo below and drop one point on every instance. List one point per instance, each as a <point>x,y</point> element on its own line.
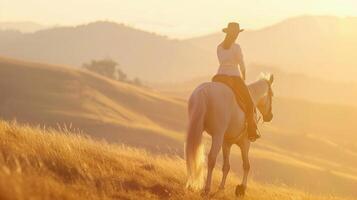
<point>177,18</point>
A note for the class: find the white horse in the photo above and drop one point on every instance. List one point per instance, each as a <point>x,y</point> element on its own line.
<point>213,108</point>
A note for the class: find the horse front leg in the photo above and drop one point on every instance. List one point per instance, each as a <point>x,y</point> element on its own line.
<point>217,140</point>
<point>244,147</point>
<point>226,148</point>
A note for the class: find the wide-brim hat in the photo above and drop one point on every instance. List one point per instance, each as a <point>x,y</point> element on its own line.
<point>233,27</point>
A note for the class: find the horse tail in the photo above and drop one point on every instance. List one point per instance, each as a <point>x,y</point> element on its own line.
<point>194,149</point>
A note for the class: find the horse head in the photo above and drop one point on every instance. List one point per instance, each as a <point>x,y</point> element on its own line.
<point>265,104</point>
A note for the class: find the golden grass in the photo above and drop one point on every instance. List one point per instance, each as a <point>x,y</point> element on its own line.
<point>48,164</point>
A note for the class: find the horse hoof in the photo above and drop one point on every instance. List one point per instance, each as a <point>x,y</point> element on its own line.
<point>240,190</point>
<point>205,192</point>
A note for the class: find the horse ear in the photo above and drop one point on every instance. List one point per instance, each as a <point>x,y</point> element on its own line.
<point>271,79</point>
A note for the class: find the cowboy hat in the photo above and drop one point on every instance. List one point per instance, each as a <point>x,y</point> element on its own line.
<point>232,27</point>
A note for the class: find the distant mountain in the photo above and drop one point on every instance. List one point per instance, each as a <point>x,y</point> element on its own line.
<point>143,54</point>
<point>319,46</point>
<point>25,27</point>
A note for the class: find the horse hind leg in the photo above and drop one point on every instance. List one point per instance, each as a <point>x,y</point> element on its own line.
<point>226,149</point>
<point>217,140</point>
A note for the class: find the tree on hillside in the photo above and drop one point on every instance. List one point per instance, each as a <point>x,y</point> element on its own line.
<point>110,68</point>
<point>137,82</point>
<point>106,67</point>
<point>121,76</point>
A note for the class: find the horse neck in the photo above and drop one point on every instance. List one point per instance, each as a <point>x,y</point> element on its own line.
<point>258,89</point>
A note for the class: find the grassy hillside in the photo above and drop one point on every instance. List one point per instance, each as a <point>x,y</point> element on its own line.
<point>306,141</point>
<point>56,95</point>
<point>39,164</point>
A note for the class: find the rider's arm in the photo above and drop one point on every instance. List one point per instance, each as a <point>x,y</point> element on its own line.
<point>241,64</point>
<point>242,69</point>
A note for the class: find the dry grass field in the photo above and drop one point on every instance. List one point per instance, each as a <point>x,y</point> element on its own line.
<point>45,164</point>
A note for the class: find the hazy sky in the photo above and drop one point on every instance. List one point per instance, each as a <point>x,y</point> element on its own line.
<point>176,18</point>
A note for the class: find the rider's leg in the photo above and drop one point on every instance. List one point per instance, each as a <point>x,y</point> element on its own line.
<point>242,91</point>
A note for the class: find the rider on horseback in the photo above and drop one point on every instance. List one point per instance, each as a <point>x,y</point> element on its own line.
<point>230,56</point>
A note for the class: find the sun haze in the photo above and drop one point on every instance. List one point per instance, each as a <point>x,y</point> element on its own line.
<point>176,18</point>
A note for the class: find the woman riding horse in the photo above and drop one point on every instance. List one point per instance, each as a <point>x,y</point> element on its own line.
<point>213,108</point>
<point>230,56</point>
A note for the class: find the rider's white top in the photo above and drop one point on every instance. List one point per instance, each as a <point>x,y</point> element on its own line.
<point>229,59</point>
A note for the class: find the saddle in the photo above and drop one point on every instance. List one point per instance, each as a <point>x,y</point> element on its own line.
<point>241,95</point>
<point>229,81</point>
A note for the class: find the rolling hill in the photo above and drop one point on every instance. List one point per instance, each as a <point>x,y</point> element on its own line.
<point>306,141</point>
<point>56,95</point>
<point>45,164</point>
